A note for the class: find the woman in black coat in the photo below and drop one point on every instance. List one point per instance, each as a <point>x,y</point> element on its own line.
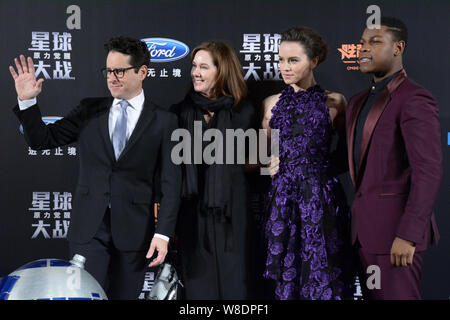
<point>213,219</point>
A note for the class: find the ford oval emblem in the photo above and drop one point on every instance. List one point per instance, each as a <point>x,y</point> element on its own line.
<point>165,50</point>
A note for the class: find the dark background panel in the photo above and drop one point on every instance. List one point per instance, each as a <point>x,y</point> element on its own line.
<point>192,22</point>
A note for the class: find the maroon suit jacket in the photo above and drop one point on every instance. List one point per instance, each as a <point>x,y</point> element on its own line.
<point>396,189</point>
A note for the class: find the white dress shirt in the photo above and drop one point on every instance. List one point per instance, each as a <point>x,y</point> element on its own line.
<point>133,112</point>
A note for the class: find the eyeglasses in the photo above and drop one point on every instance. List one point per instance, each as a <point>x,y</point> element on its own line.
<point>119,72</point>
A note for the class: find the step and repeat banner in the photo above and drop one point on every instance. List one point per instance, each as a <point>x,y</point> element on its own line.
<point>65,40</point>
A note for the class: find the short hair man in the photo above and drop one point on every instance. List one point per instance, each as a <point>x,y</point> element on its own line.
<point>395,159</point>
<point>122,141</point>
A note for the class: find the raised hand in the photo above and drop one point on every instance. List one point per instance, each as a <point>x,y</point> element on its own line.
<point>25,80</point>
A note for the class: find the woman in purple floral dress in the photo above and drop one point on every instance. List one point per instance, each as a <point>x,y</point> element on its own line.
<point>306,227</point>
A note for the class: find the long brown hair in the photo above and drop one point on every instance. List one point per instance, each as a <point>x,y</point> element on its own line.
<point>229,80</point>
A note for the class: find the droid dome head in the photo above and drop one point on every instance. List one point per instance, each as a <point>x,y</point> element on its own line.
<point>51,279</point>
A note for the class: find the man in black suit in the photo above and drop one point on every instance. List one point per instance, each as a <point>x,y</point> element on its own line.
<point>123,141</point>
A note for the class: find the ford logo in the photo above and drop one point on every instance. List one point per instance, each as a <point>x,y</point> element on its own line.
<point>47,120</point>
<point>165,50</point>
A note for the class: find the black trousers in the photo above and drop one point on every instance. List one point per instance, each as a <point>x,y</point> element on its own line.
<point>120,273</point>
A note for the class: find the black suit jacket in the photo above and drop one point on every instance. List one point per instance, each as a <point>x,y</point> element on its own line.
<point>128,183</point>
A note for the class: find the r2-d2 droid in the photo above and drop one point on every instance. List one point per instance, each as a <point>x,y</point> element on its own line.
<point>167,285</point>
<point>51,279</point>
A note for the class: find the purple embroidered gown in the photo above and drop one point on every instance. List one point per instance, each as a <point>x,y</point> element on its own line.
<point>303,229</point>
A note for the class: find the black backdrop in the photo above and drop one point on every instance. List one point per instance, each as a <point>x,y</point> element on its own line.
<point>36,187</point>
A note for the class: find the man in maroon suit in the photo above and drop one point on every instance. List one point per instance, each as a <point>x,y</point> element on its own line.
<point>395,159</point>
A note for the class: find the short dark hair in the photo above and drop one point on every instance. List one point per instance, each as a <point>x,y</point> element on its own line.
<point>312,42</point>
<point>136,49</point>
<point>396,27</point>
